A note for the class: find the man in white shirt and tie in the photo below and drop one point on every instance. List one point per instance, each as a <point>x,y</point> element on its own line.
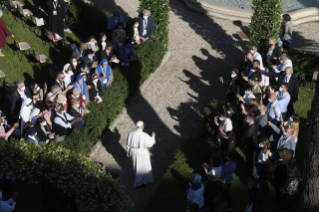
<point>283,100</point>
<point>138,143</point>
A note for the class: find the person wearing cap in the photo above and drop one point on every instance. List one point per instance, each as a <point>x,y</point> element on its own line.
<point>31,135</point>
<point>61,100</point>
<point>62,122</point>
<point>234,84</point>
<point>4,32</point>
<point>104,73</point>
<point>137,144</point>
<point>126,55</point>
<point>96,89</point>
<point>3,122</point>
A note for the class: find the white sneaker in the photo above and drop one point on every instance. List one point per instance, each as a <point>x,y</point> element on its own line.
<point>68,31</point>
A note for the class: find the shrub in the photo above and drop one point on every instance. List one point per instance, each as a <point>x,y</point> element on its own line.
<point>304,65</point>
<point>265,22</point>
<point>68,171</point>
<point>160,13</point>
<point>86,19</point>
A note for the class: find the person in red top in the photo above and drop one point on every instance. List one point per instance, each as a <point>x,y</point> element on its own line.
<point>4,32</point>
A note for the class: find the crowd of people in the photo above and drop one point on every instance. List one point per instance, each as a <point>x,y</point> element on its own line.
<point>261,122</point>
<point>44,115</point>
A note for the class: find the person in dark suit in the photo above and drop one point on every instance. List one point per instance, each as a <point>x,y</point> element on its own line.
<point>60,82</point>
<point>19,93</point>
<point>132,32</point>
<point>96,88</point>
<point>250,143</point>
<point>234,85</point>
<point>274,53</point>
<point>108,53</point>
<point>146,26</point>
<point>42,132</point>
<point>293,88</point>
<point>278,167</point>
<point>261,121</point>
<point>249,59</point>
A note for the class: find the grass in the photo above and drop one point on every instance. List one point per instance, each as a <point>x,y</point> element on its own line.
<point>170,195</point>
<point>11,65</point>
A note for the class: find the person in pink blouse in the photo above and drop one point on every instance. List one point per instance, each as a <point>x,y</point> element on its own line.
<point>3,134</point>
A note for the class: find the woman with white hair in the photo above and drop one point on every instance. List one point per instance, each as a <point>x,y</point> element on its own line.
<point>55,90</point>
<point>4,32</point>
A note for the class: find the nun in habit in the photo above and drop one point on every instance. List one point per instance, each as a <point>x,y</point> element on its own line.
<point>138,143</point>
<point>25,112</point>
<point>56,16</point>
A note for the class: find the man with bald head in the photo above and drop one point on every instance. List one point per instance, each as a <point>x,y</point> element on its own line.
<point>293,88</point>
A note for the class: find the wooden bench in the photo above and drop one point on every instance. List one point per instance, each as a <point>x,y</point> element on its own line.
<point>242,35</point>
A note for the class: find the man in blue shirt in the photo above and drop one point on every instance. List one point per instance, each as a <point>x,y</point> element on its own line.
<point>114,20</point>
<point>283,100</point>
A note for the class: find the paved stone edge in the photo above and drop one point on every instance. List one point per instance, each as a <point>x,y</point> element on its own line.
<point>228,13</point>
<point>144,86</point>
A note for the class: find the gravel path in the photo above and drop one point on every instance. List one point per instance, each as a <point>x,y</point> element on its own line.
<point>201,49</point>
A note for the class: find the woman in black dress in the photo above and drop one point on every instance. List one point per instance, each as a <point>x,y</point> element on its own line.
<point>56,16</point>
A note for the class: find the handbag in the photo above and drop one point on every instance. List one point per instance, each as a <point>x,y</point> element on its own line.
<point>249,207</point>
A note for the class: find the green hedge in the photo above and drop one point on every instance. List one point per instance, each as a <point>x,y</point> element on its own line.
<point>68,171</point>
<point>304,65</point>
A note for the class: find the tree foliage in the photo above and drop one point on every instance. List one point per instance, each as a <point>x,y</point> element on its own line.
<point>265,22</point>
<point>68,171</point>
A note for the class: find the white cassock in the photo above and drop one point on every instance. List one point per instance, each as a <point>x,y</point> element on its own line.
<point>138,143</point>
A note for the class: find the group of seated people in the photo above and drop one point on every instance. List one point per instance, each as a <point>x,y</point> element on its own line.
<point>46,115</point>
<point>116,46</point>
<point>259,119</point>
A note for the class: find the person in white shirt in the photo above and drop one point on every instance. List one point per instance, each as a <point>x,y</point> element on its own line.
<point>25,112</point>
<point>285,62</point>
<point>68,74</point>
<point>257,56</point>
<point>213,172</point>
<point>247,96</point>
<point>137,144</point>
<point>225,124</point>
<point>283,98</point>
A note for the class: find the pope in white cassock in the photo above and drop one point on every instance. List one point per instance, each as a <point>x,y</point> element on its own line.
<point>138,143</point>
